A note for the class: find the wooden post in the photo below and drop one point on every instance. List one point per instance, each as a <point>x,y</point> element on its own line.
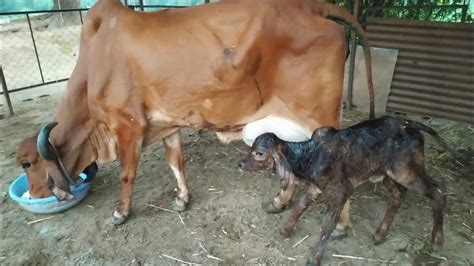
<point>5,92</point>
<point>464,13</point>
<point>350,80</point>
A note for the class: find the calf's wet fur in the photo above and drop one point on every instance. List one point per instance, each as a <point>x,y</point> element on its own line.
<point>334,162</point>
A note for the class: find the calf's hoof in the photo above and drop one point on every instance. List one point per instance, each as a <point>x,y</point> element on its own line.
<point>437,242</point>
<point>378,238</point>
<point>118,219</point>
<point>337,234</point>
<point>270,207</point>
<point>286,232</point>
<point>311,262</point>
<point>177,207</point>
<point>437,246</point>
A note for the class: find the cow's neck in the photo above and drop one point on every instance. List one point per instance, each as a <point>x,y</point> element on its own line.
<point>72,134</point>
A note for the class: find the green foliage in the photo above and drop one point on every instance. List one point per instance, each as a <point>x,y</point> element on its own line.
<point>431,10</point>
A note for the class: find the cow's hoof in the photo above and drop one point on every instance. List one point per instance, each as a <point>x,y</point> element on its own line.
<point>177,207</point>
<point>270,207</point>
<point>338,234</point>
<point>118,219</point>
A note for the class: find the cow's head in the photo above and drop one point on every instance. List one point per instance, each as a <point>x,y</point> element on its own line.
<point>265,150</point>
<point>51,170</point>
<point>34,167</point>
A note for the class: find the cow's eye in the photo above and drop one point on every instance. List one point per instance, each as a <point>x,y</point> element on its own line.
<point>258,153</point>
<point>25,165</point>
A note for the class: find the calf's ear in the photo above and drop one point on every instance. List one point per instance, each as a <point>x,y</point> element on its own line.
<point>322,164</point>
<point>322,132</point>
<point>282,158</point>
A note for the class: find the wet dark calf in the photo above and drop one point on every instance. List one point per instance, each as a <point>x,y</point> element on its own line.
<point>334,162</point>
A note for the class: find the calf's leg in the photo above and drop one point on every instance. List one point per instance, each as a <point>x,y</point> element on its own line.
<point>427,186</point>
<point>336,199</point>
<point>344,220</point>
<point>175,158</point>
<point>298,209</point>
<point>279,203</point>
<point>430,189</point>
<point>397,192</point>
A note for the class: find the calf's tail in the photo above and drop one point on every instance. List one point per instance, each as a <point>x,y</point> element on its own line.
<point>428,130</point>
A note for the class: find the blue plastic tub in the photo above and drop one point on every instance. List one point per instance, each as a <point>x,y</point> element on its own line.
<point>46,205</point>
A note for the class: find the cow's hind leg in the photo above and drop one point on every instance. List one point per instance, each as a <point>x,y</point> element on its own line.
<point>397,192</point>
<point>175,158</point>
<point>129,143</point>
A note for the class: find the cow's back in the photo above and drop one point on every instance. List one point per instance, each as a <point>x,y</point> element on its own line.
<point>218,66</point>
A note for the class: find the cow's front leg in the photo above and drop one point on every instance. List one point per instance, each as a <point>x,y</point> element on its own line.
<point>129,143</point>
<point>175,158</point>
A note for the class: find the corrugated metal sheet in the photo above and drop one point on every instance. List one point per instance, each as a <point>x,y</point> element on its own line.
<point>434,74</point>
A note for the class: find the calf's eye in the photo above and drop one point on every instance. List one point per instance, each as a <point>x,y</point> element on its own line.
<point>258,153</point>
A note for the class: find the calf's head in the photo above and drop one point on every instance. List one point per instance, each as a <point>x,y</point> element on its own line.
<point>50,171</point>
<point>263,153</point>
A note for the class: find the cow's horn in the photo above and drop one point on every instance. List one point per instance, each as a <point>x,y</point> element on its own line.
<point>43,144</point>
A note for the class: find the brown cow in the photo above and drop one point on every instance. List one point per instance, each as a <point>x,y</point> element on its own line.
<point>240,68</point>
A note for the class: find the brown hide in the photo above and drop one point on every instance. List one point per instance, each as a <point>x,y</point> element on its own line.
<point>34,168</point>
<point>140,77</point>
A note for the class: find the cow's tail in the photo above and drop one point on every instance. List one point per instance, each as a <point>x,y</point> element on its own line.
<point>343,16</point>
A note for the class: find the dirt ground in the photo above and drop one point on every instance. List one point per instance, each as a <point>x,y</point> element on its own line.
<point>225,223</point>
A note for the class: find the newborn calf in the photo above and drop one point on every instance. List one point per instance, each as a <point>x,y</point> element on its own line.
<point>334,162</point>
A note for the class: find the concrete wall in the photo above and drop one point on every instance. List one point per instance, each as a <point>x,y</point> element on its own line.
<point>383,66</point>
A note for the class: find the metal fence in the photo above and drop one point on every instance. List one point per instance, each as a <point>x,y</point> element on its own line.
<point>449,13</point>
<point>35,52</point>
<point>39,49</point>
